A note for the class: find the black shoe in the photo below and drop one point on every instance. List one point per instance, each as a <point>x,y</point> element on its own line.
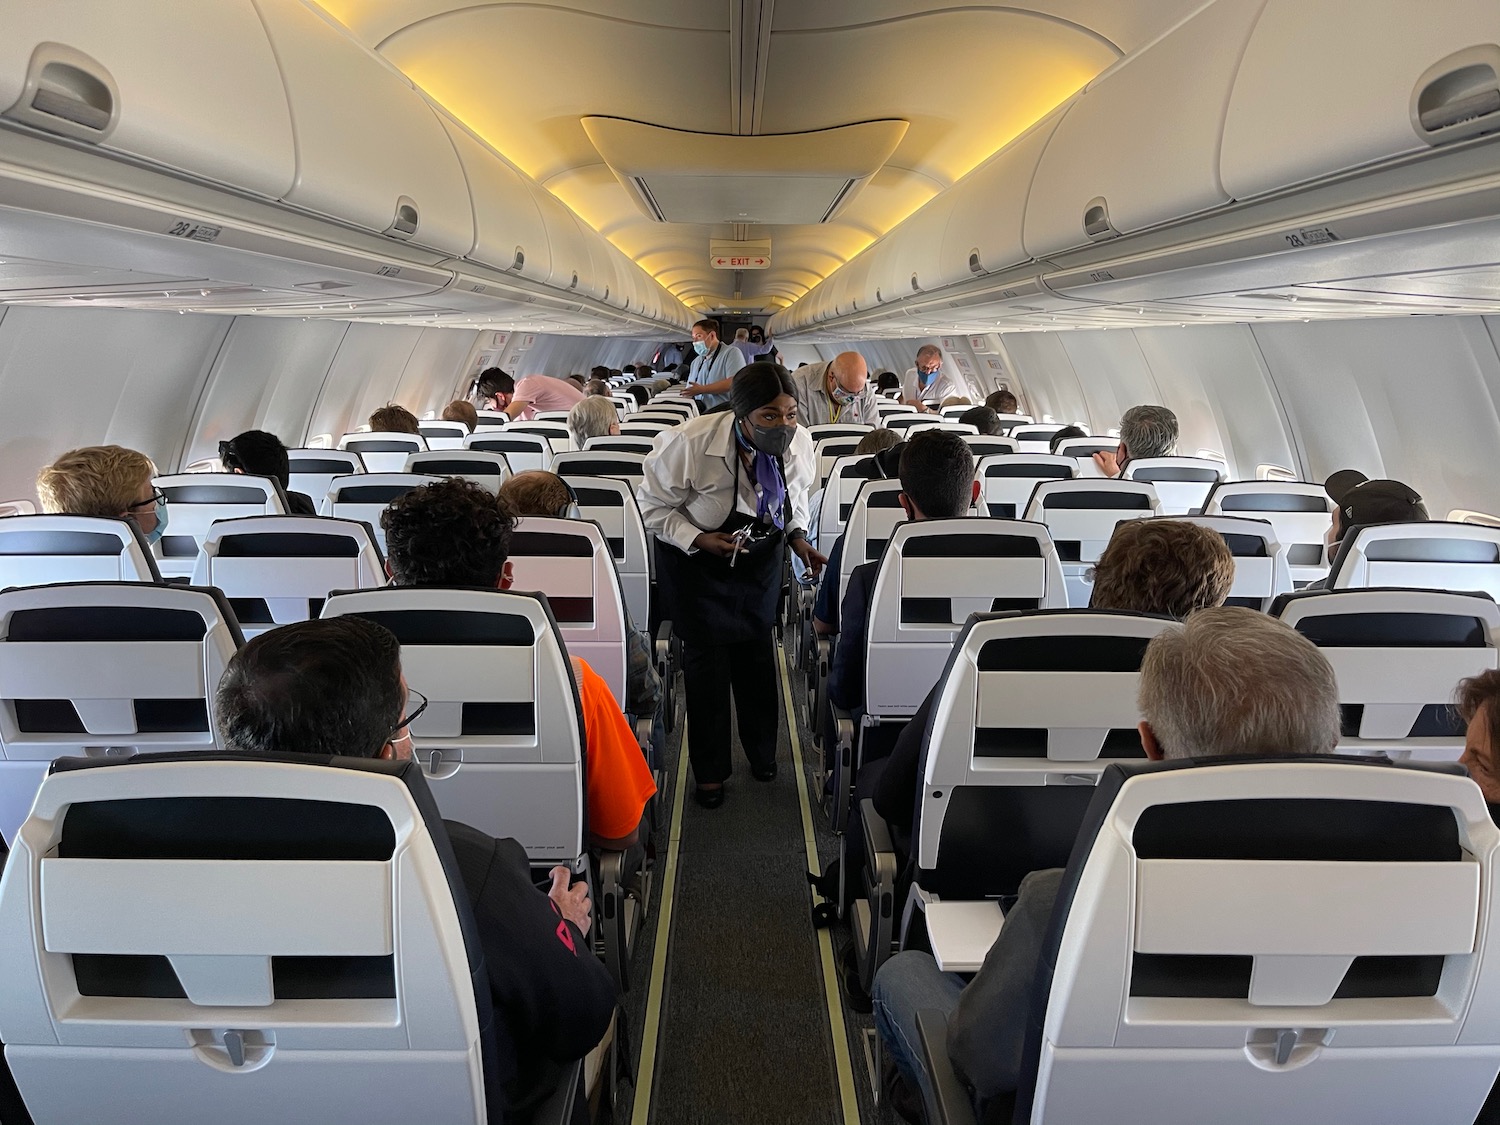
<point>764,773</point>
<point>709,798</point>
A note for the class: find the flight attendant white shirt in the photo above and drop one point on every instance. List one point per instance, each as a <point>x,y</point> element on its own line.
<point>690,473</point>
<point>943,386</point>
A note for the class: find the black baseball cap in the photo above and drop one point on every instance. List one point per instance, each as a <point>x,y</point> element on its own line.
<point>1363,501</point>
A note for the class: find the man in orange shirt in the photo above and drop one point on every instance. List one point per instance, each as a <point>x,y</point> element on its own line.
<point>454,532</point>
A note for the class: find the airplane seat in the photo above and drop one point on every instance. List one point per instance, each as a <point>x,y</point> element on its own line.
<point>1030,709</point>
<point>1182,483</point>
<point>197,500</point>
<point>443,435</point>
<point>559,437</point>
<point>988,445</point>
<point>1007,480</point>
<point>838,430</point>
<point>104,670</point>
<point>886,410</point>
<point>523,451</point>
<point>610,503</point>
<point>1034,437</point>
<point>1084,449</point>
<point>1261,573</point>
<point>1300,511</point>
<point>831,449</point>
<point>243,939</point>
<point>312,470</point>
<point>903,421</point>
<point>383,452</point>
<point>362,498</point>
<point>490,470</point>
<point>1082,514</point>
<point>624,404</point>
<point>622,444</point>
<point>1425,556</point>
<point>551,416</point>
<point>278,569</point>
<point>1235,942</point>
<point>1398,655</point>
<point>1009,422</point>
<point>644,429</point>
<point>42,549</point>
<point>658,413</point>
<point>491,420</point>
<point>596,462</point>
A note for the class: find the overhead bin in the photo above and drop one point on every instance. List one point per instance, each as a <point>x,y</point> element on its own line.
<point>508,230</point>
<point>1324,88</point>
<point>570,260</point>
<point>1139,147</point>
<point>370,150</point>
<point>180,83</point>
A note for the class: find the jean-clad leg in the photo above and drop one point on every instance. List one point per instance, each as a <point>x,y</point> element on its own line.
<point>906,984</point>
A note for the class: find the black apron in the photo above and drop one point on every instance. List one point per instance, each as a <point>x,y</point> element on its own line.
<point>712,603</point>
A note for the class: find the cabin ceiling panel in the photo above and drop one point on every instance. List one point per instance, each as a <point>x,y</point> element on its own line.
<point>967,77</point>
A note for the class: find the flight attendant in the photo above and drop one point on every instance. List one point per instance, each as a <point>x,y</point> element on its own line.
<point>726,495</point>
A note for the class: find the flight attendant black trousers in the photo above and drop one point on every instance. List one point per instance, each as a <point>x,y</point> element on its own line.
<point>710,674</point>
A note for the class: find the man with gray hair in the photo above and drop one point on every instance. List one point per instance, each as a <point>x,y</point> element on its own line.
<point>929,380</point>
<point>1230,682</point>
<point>836,390</point>
<point>1145,431</point>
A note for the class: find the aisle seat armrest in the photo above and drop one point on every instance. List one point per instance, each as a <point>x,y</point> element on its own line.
<point>950,1104</point>
<point>880,853</point>
<point>559,1106</point>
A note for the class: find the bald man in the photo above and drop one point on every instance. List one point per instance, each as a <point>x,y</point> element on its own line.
<point>836,390</point>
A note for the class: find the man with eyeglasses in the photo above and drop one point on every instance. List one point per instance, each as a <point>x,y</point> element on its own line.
<point>336,687</point>
<point>105,480</point>
<point>928,381</point>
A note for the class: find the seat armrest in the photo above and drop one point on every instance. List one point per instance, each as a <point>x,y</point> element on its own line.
<point>559,1106</point>
<point>950,1104</point>
<point>880,853</point>
<point>609,912</point>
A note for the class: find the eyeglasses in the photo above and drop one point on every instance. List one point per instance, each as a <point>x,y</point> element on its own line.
<point>406,722</point>
<point>157,497</point>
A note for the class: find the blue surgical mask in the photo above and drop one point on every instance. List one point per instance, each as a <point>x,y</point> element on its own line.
<point>700,347</point>
<point>153,537</point>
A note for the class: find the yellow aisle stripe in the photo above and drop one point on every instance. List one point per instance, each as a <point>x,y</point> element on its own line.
<point>646,1072</point>
<point>847,1099</point>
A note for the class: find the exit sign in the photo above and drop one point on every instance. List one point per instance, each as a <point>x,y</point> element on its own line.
<point>740,261</point>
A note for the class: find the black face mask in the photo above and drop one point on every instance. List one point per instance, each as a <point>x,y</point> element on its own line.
<point>775,440</point>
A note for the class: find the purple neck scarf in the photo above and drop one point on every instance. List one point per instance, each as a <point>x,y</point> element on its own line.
<point>770,489</point>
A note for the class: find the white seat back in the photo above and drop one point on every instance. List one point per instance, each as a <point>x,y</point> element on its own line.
<point>278,569</point>
<point>1082,516</point>
<point>1261,574</point>
<point>104,669</point>
<point>478,465</point>
<point>196,500</point>
<point>685,408</point>
<point>364,497</point>
<point>654,413</point>
<point>610,502</point>
<point>905,420</point>
<point>443,435</point>
<point>1423,556</point>
<point>501,741</point>
<point>1034,437</point>
<point>492,420</point>
<point>885,410</point>
<point>305,906</point>
<point>644,429</point>
<point>1010,421</point>
<point>622,444</point>
<point>930,422</point>
<point>842,486</point>
<point>837,430</point>
<point>558,436</point>
<point>1031,709</point>
<point>1182,483</point>
<point>989,445</point>
<point>551,416</point>
<point>313,470</point>
<point>954,413</point>
<point>1398,654</point>
<point>874,515</point>
<point>594,462</point>
<point>1084,449</point>
<point>383,452</point>
<point>523,451</point>
<point>43,549</point>
<point>830,449</point>
<point>933,575</point>
<point>1006,481</point>
<point>1287,934</point>
<point>1300,512</point>
<point>570,562</point>
<point>624,404</point>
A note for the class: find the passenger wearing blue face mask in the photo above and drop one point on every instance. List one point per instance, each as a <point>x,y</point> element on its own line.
<point>714,366</point>
<point>726,496</point>
<point>836,390</point>
<point>105,480</point>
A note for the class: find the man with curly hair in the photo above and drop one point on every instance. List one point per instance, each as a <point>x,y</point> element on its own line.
<point>454,532</point>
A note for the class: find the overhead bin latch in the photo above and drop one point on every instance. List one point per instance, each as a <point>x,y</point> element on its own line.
<point>976,263</point>
<point>1096,222</point>
<point>404,223</point>
<point>69,93</point>
<point>1458,97</point>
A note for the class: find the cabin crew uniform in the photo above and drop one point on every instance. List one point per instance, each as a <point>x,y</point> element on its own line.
<point>715,367</point>
<point>696,481</point>
<point>816,407</point>
<point>940,386</point>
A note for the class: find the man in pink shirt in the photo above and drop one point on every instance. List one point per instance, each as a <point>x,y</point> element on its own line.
<point>524,397</point>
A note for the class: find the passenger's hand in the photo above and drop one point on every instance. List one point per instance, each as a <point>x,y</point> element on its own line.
<point>809,556</point>
<point>690,391</point>
<point>572,901</point>
<point>1108,463</point>
<point>718,543</point>
<point>517,407</point>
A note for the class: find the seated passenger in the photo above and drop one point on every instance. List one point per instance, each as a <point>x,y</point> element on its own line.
<point>597,387</point>
<point>1062,435</point>
<point>540,493</point>
<point>336,687</point>
<point>453,532</point>
<point>887,382</point>
<point>983,419</point>
<point>259,454</point>
<point>393,419</point>
<point>883,462</point>
<point>875,441</point>
<point>595,416</point>
<point>937,481</point>
<point>1230,683</point>
<point>1002,402</point>
<point>955,400</point>
<point>1145,431</point>
<point>461,410</point>
<point>105,480</point>
<point>602,373</point>
<point>1479,706</point>
<point>1360,502</point>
